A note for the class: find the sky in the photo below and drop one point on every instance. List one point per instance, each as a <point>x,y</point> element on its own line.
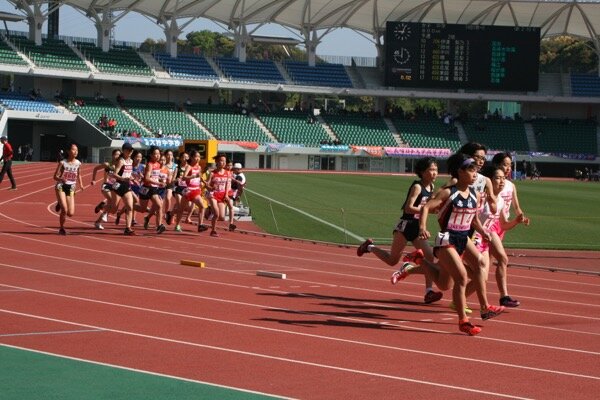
<point>137,28</point>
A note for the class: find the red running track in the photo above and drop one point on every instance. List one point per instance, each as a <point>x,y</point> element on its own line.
<point>335,328</point>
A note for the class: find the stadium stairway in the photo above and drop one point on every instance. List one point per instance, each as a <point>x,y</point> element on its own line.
<point>355,78</point>
<point>154,65</point>
<point>327,128</point>
<point>215,67</point>
<point>75,50</point>
<point>394,131</point>
<point>462,134</point>
<point>199,125</point>
<point>530,134</point>
<point>23,56</point>
<point>283,72</point>
<point>262,127</point>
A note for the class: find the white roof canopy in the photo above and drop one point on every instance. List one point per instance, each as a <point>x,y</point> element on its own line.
<point>568,17</point>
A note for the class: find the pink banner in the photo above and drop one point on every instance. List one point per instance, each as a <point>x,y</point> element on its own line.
<point>371,150</point>
<point>416,152</point>
<point>246,145</point>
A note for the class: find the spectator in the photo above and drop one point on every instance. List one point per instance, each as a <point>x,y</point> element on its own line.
<point>120,99</point>
<point>237,183</point>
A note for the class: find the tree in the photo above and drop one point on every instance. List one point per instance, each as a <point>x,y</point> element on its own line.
<point>567,54</point>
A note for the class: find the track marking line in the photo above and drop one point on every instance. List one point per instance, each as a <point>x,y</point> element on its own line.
<point>179,378</point>
<point>51,333</point>
<point>285,310</point>
<point>270,265</point>
<point>275,358</point>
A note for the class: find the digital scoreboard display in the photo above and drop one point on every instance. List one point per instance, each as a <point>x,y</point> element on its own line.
<point>423,55</point>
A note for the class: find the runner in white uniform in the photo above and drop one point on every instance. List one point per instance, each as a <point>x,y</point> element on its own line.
<point>67,175</point>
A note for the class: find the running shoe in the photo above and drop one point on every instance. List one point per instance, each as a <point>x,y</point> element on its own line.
<point>62,232</point>
<point>416,257</point>
<point>57,207</point>
<point>169,217</point>
<point>105,217</point>
<point>453,307</point>
<point>364,247</point>
<point>118,218</point>
<point>133,223</point>
<point>214,234</point>
<point>160,229</point>
<point>178,228</point>
<point>468,328</point>
<point>508,301</point>
<point>401,274</point>
<point>98,225</point>
<point>202,228</point>
<point>129,232</point>
<point>432,297</point>
<point>232,227</point>
<point>491,312</point>
<point>99,207</point>
<point>146,222</point>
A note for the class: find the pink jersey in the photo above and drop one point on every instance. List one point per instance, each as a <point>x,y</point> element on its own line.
<point>154,174</point>
<point>219,181</point>
<point>507,194</point>
<point>194,183</point>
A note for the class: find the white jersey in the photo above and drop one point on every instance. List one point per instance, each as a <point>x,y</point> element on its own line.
<point>487,218</point>
<point>479,187</point>
<point>70,171</point>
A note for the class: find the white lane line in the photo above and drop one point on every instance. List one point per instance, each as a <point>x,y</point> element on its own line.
<point>275,358</point>
<point>179,378</point>
<point>336,227</point>
<point>51,333</point>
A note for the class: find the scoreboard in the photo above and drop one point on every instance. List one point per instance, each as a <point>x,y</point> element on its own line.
<point>424,55</point>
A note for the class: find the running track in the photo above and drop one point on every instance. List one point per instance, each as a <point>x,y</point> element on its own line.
<point>335,328</point>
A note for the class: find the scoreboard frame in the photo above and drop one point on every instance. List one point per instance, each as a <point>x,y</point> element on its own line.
<point>455,56</point>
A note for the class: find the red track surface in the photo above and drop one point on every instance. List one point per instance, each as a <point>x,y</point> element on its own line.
<point>335,328</point>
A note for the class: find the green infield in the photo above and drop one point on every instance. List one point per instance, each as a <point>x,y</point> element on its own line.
<point>32,375</point>
<point>343,208</point>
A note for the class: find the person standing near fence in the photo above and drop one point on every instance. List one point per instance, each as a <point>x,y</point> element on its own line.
<point>7,157</point>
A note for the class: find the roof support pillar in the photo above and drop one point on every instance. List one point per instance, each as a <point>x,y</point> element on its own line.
<point>35,20</point>
<point>103,28</point>
<point>242,39</point>
<point>172,32</point>
<point>311,44</point>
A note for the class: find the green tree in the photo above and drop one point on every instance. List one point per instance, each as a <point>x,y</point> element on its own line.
<point>567,54</point>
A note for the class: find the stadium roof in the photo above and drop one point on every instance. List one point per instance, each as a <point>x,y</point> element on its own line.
<point>568,17</point>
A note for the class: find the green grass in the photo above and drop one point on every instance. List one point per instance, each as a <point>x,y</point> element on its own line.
<point>564,215</point>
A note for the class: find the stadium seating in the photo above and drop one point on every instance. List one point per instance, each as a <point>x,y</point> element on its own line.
<point>498,134</point>
<point>52,53</point>
<point>120,60</point>
<point>585,85</point>
<point>256,71</point>
<point>165,116</point>
<point>9,56</point>
<point>358,129</point>
<point>320,75</point>
<point>94,109</point>
<point>186,66</point>
<point>293,127</point>
<point>22,102</point>
<point>427,133</point>
<point>565,136</point>
<point>224,124</point>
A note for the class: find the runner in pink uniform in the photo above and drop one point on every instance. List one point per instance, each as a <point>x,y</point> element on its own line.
<point>218,186</point>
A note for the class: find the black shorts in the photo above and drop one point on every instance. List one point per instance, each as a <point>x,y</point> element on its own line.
<point>120,188</point>
<point>458,240</point>
<point>106,187</point>
<point>146,192</point>
<point>179,190</point>
<point>68,190</point>
<point>409,228</point>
